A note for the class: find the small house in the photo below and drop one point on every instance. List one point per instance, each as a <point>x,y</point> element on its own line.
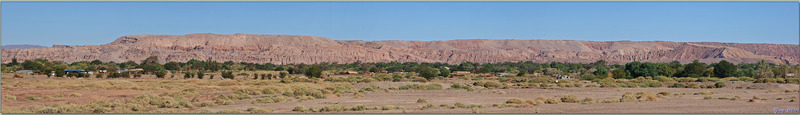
<point>24,72</point>
<point>76,70</point>
<point>502,74</point>
<point>461,72</point>
<point>563,77</point>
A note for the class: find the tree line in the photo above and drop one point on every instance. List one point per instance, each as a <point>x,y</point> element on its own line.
<point>600,68</point>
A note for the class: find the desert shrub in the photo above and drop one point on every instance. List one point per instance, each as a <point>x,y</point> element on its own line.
<point>707,97</point>
<point>300,108</point>
<point>460,105</point>
<point>459,86</point>
<point>743,79</point>
<point>259,110</point>
<point>685,79</point>
<point>33,98</point>
<point>587,100</point>
<point>780,80</point>
<point>369,88</point>
<point>359,107</point>
<point>9,97</point>
<point>237,96</point>
<point>552,101</point>
<point>677,85</point>
<point>705,79</point>
<point>772,91</point>
<point>229,111</point>
<point>611,100</point>
<point>608,82</point>
<point>725,98</point>
<point>227,75</point>
<point>358,95</point>
<point>515,101</point>
<point>792,80</point>
<point>159,74</point>
<point>224,101</point>
<point>305,98</point>
<point>692,85</point>
<point>640,96</point>
<point>207,104</point>
<point>316,93</point>
<point>389,107</point>
<point>628,97</point>
<point>565,85</point>
<point>664,93</point>
<point>420,79</point>
<point>422,101</point>
<point>719,84</point>
<point>275,99</point>
<point>498,92</point>
<point>704,93</point>
<point>421,87</point>
<point>593,85</point>
<point>508,105</point>
<point>570,99</point>
<point>542,80</point>
<point>428,106</point>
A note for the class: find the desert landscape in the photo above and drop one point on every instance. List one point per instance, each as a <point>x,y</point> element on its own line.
<point>241,73</point>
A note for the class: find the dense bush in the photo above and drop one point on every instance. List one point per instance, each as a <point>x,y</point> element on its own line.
<point>677,85</point>
<point>570,99</point>
<point>159,74</point>
<point>542,80</point>
<point>719,84</point>
<point>421,87</point>
<point>459,86</point>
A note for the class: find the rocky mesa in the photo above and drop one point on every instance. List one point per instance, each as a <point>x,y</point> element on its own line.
<point>286,49</point>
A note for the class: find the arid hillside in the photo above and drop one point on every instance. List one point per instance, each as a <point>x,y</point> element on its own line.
<point>284,49</point>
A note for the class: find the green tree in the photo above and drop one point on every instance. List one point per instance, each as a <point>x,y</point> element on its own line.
<point>521,72</point>
<point>150,60</point>
<point>725,69</point>
<point>32,65</point>
<point>283,74</point>
<point>200,75</point>
<point>637,69</point>
<point>13,62</point>
<point>763,70</point>
<point>313,72</point>
<point>187,75</point>
<point>172,66</point>
<point>227,75</point>
<point>96,62</point>
<point>427,72</point>
<point>446,72</point>
<point>600,70</point>
<point>160,74</point>
<point>619,73</point>
<point>666,70</point>
<point>695,69</point>
<point>374,69</point>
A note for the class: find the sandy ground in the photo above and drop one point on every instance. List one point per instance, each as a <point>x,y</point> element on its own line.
<point>687,103</point>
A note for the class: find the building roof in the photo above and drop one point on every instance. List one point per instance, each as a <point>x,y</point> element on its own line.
<point>74,70</point>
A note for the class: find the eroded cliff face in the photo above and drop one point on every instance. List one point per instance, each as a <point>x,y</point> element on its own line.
<point>285,49</point>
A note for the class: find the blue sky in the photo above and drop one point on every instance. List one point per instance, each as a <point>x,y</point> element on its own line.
<point>95,23</point>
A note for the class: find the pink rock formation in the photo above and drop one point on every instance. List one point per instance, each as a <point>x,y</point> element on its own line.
<point>285,49</point>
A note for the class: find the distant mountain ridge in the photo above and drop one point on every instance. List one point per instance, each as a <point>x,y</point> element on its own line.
<point>21,46</point>
<point>285,49</point>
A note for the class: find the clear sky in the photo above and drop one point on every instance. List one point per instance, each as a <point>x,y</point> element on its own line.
<point>95,23</point>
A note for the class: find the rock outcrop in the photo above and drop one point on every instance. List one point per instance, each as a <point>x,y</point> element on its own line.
<point>285,49</point>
